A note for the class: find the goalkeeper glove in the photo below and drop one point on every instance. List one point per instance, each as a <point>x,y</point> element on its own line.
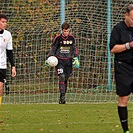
<point>46,63</point>
<point>76,62</point>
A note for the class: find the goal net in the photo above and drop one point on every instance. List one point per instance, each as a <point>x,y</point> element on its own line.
<point>34,24</point>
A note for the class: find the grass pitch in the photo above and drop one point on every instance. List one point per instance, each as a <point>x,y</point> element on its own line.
<point>56,118</point>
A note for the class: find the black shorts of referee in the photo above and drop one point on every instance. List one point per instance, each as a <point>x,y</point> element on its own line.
<point>123,77</point>
<point>2,75</point>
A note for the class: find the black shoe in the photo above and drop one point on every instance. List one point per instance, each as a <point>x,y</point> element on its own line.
<point>62,98</point>
<point>62,101</point>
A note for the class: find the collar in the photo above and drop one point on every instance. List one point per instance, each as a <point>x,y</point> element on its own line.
<point>1,32</point>
<point>64,37</point>
<point>126,27</point>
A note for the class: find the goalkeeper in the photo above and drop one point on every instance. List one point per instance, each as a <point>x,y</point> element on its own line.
<point>64,48</point>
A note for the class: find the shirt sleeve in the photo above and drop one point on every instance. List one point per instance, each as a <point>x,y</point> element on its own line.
<point>75,51</point>
<point>9,42</point>
<point>75,48</point>
<point>115,37</point>
<point>54,47</point>
<point>10,57</point>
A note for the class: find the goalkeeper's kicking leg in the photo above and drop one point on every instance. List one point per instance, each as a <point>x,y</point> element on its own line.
<point>63,79</point>
<point>62,88</point>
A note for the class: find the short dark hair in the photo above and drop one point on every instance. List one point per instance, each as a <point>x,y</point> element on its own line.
<point>3,16</point>
<point>129,8</point>
<point>65,26</point>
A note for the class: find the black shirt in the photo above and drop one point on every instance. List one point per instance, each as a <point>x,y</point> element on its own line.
<point>64,47</point>
<point>122,34</point>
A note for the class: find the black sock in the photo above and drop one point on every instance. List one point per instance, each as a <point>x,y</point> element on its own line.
<point>123,115</point>
<point>62,95</point>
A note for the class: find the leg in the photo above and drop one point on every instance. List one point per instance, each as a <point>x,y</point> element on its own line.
<point>68,73</point>
<point>61,84</point>
<point>61,75</point>
<point>124,86</point>
<point>66,81</point>
<point>62,88</point>
<point>65,85</point>
<point>2,80</point>
<point>122,111</point>
<point>1,87</point>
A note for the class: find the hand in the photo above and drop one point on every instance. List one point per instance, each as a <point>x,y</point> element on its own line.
<point>13,71</point>
<point>46,63</point>
<point>76,62</point>
<point>131,44</point>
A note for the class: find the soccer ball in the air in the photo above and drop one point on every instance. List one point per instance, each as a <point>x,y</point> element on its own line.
<point>52,61</point>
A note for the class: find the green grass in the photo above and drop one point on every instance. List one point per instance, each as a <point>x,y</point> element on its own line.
<point>68,118</point>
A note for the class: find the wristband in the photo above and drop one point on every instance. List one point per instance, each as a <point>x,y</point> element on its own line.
<point>127,45</point>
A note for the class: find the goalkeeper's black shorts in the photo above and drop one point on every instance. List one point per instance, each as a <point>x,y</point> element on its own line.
<point>64,67</point>
<point>124,77</point>
<point>2,75</point>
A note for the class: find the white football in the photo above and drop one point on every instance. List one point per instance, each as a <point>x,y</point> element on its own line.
<point>52,61</point>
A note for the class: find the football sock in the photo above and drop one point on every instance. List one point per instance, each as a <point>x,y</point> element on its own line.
<point>62,95</point>
<point>123,115</point>
<point>62,87</point>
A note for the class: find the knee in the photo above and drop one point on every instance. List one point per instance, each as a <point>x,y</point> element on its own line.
<point>123,101</point>
<point>1,85</point>
<point>61,77</point>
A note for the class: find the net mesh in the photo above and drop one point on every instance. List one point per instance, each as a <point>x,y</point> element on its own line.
<point>34,24</point>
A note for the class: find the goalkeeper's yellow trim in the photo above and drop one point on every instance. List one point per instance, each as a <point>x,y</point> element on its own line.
<point>0,100</point>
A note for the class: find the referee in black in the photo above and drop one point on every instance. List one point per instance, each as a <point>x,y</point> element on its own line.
<point>121,45</point>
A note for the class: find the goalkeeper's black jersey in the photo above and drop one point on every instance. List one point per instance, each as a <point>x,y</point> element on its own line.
<point>64,47</point>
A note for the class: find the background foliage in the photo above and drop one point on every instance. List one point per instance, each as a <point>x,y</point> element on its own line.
<point>34,24</point>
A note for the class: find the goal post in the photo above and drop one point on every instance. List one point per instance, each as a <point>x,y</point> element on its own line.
<point>34,24</point>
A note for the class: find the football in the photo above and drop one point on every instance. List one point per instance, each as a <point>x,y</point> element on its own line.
<point>52,61</point>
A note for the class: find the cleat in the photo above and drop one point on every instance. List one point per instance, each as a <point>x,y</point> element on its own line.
<point>62,101</point>
<point>127,132</point>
